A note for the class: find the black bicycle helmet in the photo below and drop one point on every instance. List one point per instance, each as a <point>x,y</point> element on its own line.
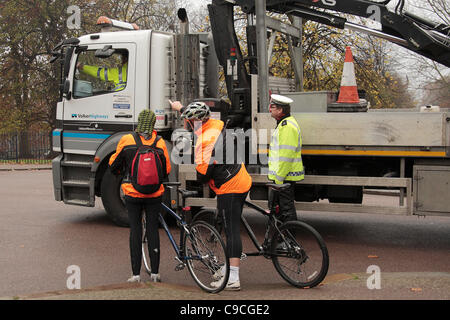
<point>196,110</point>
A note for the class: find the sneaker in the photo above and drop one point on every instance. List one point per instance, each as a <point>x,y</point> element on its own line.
<point>219,274</point>
<point>231,286</point>
<point>134,279</point>
<point>155,277</point>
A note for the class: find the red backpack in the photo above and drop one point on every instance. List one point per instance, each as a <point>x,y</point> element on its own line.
<point>148,169</point>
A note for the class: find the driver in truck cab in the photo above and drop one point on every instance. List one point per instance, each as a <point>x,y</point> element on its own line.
<point>116,75</point>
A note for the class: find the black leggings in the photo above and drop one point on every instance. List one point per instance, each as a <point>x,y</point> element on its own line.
<point>152,209</point>
<point>230,207</point>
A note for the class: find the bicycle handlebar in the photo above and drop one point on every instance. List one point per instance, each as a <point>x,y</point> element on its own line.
<point>186,193</point>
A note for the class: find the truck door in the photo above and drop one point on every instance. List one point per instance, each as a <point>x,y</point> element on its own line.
<point>101,100</point>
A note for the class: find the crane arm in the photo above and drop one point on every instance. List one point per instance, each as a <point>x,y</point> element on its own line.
<point>424,37</point>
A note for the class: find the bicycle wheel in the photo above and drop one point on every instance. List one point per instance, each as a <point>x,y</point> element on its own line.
<point>145,255</point>
<point>211,217</point>
<point>205,254</point>
<point>299,254</point>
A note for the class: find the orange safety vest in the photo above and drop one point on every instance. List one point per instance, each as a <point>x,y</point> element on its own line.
<point>222,178</point>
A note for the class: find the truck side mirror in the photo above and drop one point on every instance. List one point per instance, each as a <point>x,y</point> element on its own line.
<point>66,89</point>
<point>66,86</point>
<point>67,58</point>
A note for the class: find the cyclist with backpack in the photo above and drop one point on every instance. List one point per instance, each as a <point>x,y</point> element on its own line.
<point>143,159</point>
<point>230,181</point>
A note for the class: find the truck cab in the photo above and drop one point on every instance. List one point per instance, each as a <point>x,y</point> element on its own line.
<point>108,78</point>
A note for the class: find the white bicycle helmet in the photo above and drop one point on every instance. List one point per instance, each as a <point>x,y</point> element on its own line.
<point>196,110</point>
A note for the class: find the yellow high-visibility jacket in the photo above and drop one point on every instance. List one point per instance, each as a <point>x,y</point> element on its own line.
<point>116,75</point>
<point>285,160</point>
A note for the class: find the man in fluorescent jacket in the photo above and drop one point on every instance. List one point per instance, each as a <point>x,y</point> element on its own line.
<point>116,75</point>
<point>285,160</point>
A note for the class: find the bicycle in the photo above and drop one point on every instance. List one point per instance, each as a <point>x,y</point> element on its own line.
<point>200,247</point>
<point>297,250</point>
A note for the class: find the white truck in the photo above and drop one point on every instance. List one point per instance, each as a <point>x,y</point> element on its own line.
<point>343,151</point>
<point>93,114</point>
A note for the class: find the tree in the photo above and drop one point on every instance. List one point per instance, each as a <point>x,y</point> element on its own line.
<point>323,59</point>
<point>438,92</point>
<point>429,79</point>
<point>29,29</point>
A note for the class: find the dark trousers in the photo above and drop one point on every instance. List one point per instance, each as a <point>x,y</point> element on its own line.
<point>152,207</point>
<point>230,207</point>
<point>285,200</point>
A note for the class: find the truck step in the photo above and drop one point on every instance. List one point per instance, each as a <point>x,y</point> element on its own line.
<point>80,164</point>
<point>78,202</point>
<point>76,183</point>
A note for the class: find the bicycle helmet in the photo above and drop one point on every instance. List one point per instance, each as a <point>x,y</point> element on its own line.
<point>196,110</point>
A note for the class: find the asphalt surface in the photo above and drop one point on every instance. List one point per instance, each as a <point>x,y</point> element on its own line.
<point>413,257</point>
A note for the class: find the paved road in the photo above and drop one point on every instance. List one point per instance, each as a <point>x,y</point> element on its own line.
<point>41,238</point>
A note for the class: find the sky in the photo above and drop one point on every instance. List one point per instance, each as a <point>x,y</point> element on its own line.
<point>198,3</point>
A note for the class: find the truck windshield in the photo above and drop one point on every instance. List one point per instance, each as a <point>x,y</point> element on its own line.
<point>95,75</point>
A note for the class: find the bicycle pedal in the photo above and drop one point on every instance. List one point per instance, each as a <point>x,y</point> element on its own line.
<point>179,267</point>
<point>243,256</point>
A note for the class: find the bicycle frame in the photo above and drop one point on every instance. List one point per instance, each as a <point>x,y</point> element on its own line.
<point>284,244</point>
<point>271,223</point>
<point>193,250</point>
<point>183,229</point>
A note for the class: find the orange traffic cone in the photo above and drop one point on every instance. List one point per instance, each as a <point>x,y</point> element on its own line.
<point>349,90</point>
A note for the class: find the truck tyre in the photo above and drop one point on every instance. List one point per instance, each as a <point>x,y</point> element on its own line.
<point>111,199</point>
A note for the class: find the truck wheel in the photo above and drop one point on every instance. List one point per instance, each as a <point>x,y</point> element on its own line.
<point>111,199</point>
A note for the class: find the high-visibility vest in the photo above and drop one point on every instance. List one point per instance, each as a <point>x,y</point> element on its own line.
<point>116,75</point>
<point>285,160</point>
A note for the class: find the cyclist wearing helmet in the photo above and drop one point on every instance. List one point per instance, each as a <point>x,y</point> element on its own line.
<point>230,181</point>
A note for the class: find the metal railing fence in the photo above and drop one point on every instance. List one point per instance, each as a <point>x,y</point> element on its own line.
<point>25,147</point>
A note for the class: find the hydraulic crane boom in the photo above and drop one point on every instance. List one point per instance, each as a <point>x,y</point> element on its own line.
<point>402,28</point>
<point>412,32</point>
